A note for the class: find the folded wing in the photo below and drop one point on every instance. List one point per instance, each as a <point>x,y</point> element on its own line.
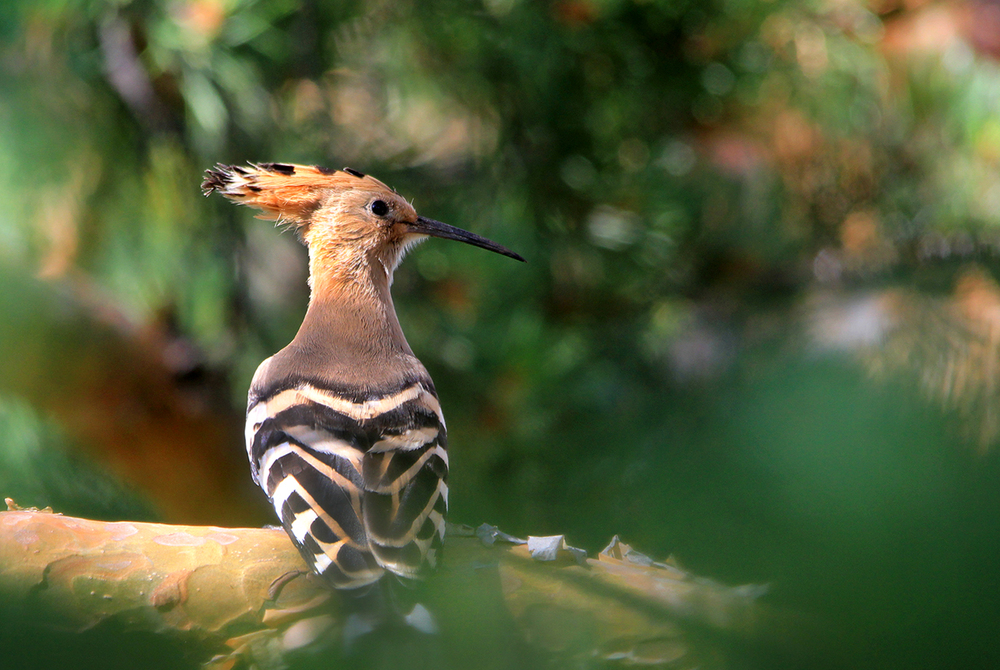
<point>360,484</point>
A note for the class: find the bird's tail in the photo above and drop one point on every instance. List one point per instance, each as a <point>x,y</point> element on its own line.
<point>388,602</point>
<point>386,627</point>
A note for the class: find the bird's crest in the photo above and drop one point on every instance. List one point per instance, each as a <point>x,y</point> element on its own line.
<point>283,191</point>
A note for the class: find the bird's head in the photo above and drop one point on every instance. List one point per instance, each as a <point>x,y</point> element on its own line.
<point>347,219</point>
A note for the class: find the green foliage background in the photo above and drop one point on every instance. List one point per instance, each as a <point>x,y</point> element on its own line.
<point>747,224</point>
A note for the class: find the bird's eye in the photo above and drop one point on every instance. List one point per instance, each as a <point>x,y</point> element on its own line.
<point>379,208</point>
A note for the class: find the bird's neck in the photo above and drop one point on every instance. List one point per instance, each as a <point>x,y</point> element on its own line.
<point>350,338</point>
<point>350,308</point>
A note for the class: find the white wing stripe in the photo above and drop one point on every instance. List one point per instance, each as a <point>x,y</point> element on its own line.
<point>324,442</point>
<point>321,562</point>
<point>281,493</point>
<point>267,462</point>
<point>359,411</point>
<point>302,524</point>
<point>442,454</point>
<point>408,441</point>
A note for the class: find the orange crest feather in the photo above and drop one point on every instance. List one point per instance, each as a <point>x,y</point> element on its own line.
<point>281,191</point>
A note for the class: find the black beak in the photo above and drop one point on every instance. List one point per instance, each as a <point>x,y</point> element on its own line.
<point>434,228</point>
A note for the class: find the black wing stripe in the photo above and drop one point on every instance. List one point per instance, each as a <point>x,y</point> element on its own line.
<point>293,506</point>
<point>323,533</point>
<point>400,558</point>
<point>355,560</point>
<point>310,416</point>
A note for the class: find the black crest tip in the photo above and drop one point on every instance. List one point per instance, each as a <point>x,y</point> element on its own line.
<point>280,168</point>
<point>217,178</point>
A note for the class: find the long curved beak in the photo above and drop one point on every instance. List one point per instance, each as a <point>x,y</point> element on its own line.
<point>425,226</point>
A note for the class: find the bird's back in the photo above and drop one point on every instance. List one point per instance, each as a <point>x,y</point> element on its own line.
<point>358,476</point>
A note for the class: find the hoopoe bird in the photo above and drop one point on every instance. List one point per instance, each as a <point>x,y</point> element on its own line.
<point>344,430</point>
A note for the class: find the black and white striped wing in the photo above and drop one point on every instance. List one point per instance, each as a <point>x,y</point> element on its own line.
<point>360,485</point>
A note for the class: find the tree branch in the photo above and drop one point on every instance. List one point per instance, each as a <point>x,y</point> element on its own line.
<point>244,593</point>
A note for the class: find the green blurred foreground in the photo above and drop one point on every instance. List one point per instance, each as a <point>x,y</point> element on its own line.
<point>759,328</point>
